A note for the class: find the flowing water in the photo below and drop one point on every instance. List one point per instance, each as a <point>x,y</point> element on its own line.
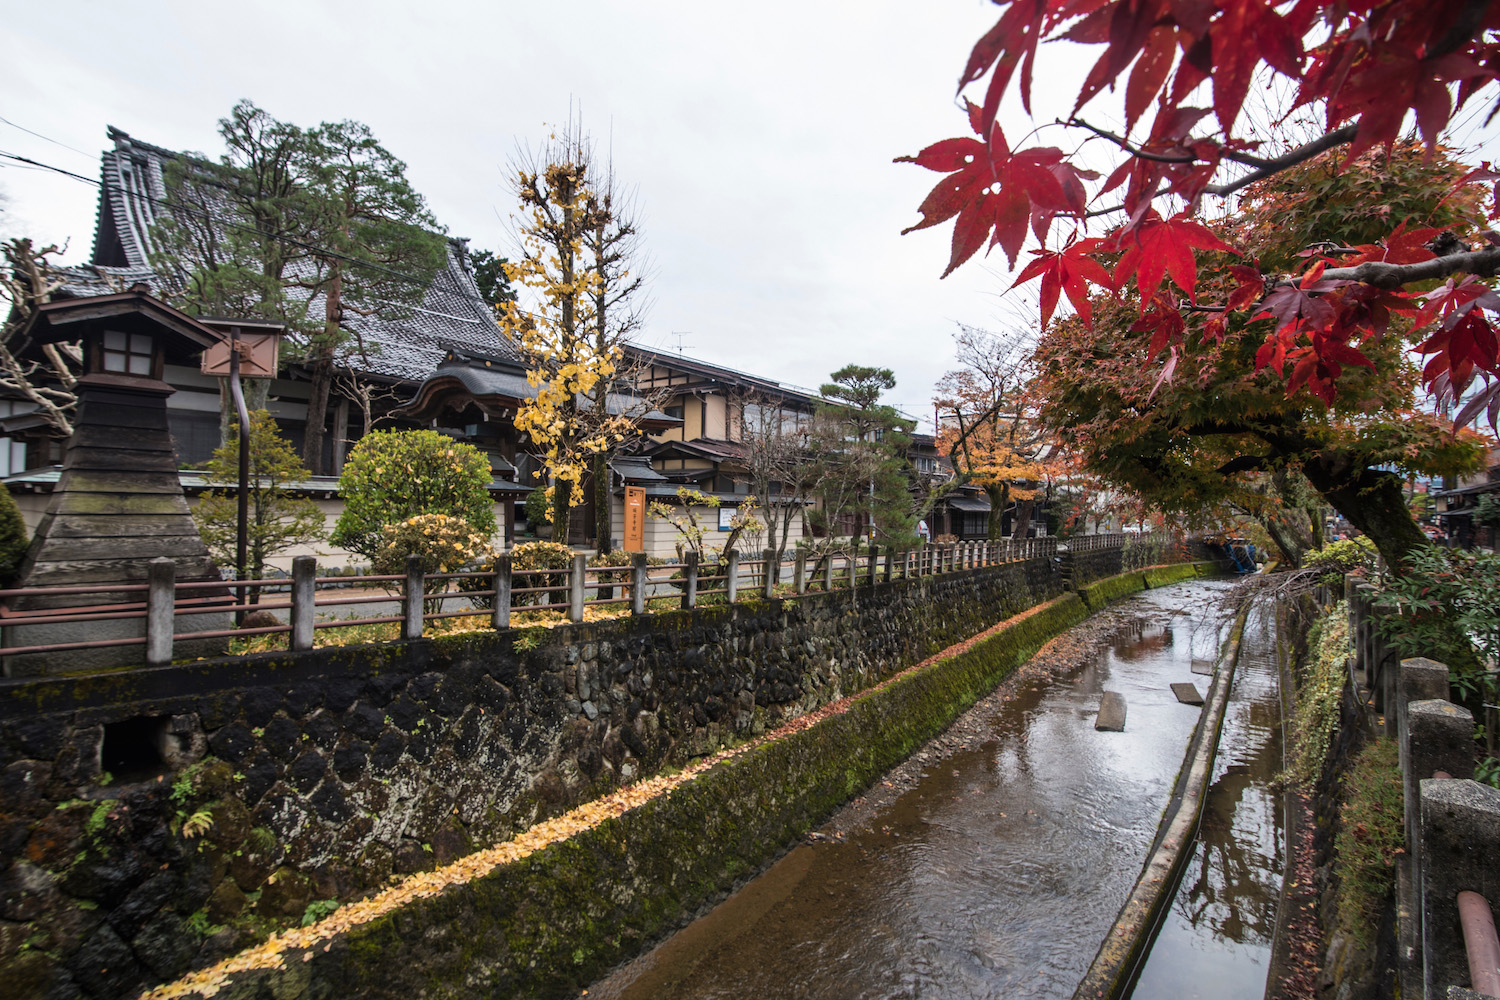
<point>998,873</point>
<point>1216,939</point>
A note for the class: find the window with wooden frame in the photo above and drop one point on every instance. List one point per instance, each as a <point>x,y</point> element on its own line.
<point>127,353</point>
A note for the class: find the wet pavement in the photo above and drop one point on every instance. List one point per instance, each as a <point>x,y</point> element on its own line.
<point>993,862</point>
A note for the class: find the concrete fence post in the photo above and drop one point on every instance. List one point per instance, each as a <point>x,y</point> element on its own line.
<point>768,578</point>
<point>874,562</point>
<point>890,563</point>
<point>906,565</point>
<point>828,572</point>
<point>690,581</point>
<point>411,602</point>
<point>799,574</point>
<point>638,582</point>
<point>304,600</point>
<point>1438,736</point>
<point>1460,839</point>
<point>853,570</point>
<point>732,575</point>
<point>161,594</point>
<point>500,611</point>
<point>1421,679</point>
<point>577,578</point>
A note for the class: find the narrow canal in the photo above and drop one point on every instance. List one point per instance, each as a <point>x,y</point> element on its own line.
<point>1216,939</point>
<point>993,862</point>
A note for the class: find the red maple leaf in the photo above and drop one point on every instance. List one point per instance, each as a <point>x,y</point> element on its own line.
<point>1163,320</point>
<point>1402,247</point>
<point>1245,32</point>
<point>1012,40</point>
<point>1067,270</point>
<point>1157,247</point>
<point>1250,285</point>
<point>990,187</point>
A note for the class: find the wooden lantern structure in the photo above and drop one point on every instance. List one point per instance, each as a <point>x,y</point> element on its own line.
<point>118,503</point>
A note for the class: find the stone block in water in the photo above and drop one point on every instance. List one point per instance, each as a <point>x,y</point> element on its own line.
<point>1187,693</point>
<point>1111,713</point>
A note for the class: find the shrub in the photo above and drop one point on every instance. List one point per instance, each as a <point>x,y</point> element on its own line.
<point>527,556</point>
<point>1337,558</point>
<point>14,538</point>
<point>394,475</point>
<point>539,507</point>
<point>1447,607</point>
<point>444,543</point>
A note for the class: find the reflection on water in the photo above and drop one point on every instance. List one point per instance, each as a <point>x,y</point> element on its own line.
<point>998,874</point>
<point>1216,940</point>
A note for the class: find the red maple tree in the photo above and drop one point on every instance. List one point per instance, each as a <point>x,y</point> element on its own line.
<point>1364,65</point>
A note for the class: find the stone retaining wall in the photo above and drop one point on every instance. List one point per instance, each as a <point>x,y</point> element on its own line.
<point>250,788</point>
<point>547,925</point>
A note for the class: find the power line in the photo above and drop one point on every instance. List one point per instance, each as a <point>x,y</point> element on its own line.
<point>48,138</point>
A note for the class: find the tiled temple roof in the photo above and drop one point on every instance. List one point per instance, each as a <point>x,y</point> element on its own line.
<point>406,344</point>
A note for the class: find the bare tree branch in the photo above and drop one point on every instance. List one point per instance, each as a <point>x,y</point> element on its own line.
<point>1482,263</point>
<point>1306,151</point>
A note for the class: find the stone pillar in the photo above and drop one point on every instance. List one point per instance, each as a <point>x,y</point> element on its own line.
<point>690,581</point>
<point>500,613</point>
<point>577,579</point>
<point>304,601</point>
<point>411,601</point>
<point>638,582</point>
<point>1460,831</point>
<point>1421,679</point>
<point>161,600</point>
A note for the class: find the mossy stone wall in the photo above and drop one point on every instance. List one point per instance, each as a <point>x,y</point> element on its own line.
<point>325,773</point>
<point>548,925</point>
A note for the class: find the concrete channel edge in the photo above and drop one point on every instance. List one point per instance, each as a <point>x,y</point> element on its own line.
<point>1120,954</point>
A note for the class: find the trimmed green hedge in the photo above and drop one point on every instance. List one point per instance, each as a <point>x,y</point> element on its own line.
<point>547,925</point>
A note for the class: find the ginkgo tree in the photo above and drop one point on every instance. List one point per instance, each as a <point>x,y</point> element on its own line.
<point>1183,69</point>
<point>571,364</point>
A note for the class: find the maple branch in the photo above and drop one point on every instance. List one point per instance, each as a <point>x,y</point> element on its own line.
<point>1481,263</point>
<point>1307,151</point>
<point>1244,463</point>
<point>1337,137</point>
<point>1124,143</point>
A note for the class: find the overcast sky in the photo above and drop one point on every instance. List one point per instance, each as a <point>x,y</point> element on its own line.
<point>760,138</point>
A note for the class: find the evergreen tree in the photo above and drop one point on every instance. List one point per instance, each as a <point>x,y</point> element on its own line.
<point>860,447</point>
<point>15,539</point>
<point>489,275</point>
<point>313,227</point>
<point>277,520</point>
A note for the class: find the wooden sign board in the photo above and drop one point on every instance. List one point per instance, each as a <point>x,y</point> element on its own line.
<point>259,352</point>
<point>635,519</point>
